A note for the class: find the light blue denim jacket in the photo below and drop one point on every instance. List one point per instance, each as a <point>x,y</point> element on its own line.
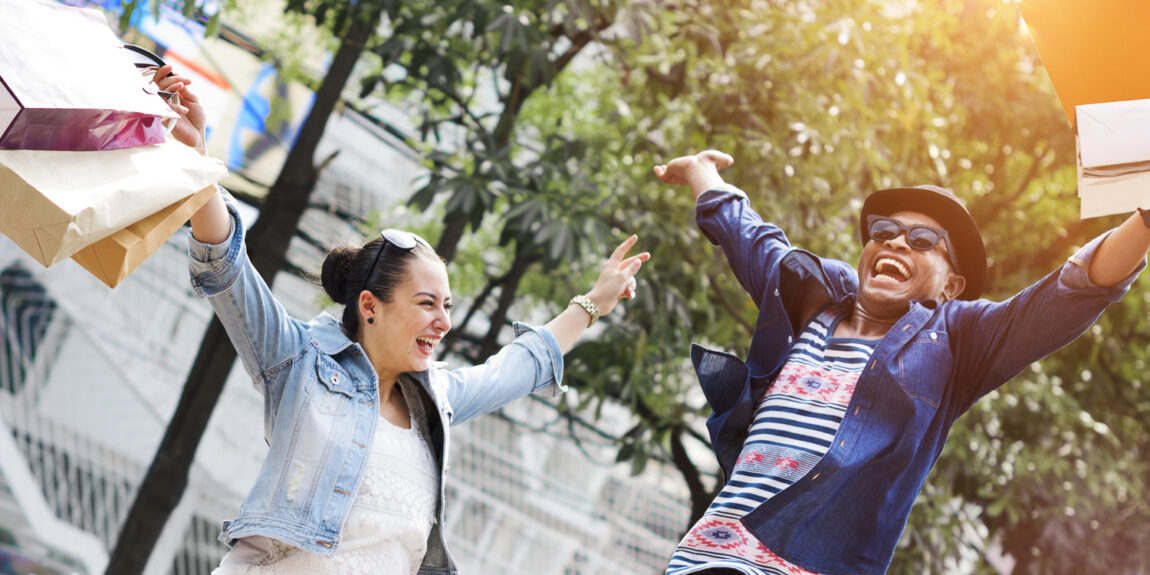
<point>320,403</point>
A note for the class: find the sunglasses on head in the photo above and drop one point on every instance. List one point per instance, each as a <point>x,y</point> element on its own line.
<point>918,236</point>
<point>401,239</point>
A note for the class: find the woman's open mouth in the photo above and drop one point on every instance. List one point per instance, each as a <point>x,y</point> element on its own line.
<point>426,344</point>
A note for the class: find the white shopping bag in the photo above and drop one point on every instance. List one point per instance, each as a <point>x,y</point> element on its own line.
<point>67,83</point>
<point>54,204</point>
<point>1113,157</point>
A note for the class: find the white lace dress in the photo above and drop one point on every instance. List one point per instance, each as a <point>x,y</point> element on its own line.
<point>387,527</point>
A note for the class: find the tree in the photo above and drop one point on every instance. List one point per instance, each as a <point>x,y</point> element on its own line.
<point>469,68</point>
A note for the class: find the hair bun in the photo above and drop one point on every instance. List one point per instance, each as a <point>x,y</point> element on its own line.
<point>337,268</point>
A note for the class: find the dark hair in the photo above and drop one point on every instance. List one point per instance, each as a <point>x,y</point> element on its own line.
<point>344,268</point>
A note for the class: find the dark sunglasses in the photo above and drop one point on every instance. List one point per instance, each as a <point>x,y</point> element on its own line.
<point>401,239</point>
<point>920,237</point>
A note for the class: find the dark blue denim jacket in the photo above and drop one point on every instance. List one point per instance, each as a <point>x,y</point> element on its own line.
<point>847,514</point>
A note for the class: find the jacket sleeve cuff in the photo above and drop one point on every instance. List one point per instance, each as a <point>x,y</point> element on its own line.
<point>1076,275</point>
<point>719,191</point>
<point>213,267</point>
<point>553,386</point>
<point>709,203</point>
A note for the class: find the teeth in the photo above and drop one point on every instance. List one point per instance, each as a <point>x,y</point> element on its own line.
<point>427,340</point>
<point>893,263</point>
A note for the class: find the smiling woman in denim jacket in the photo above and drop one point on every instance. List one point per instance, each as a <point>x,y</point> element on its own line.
<point>855,374</point>
<point>356,415</point>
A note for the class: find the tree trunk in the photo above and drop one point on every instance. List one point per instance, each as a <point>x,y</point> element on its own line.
<point>448,244</point>
<point>490,343</point>
<point>167,477</point>
<point>700,497</point>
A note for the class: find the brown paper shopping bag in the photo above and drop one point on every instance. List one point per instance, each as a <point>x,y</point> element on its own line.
<point>114,257</point>
<point>53,204</point>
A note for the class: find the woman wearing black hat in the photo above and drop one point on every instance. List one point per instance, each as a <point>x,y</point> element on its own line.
<point>855,375</point>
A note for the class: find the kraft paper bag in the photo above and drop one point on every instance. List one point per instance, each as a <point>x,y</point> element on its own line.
<point>53,204</point>
<point>115,257</point>
<point>67,83</point>
<point>1094,50</point>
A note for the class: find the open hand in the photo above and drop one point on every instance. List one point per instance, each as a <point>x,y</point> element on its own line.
<point>700,171</point>
<point>189,129</point>
<point>617,278</point>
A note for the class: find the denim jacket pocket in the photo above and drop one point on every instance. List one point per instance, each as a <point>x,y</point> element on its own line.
<point>924,366</point>
<point>334,394</point>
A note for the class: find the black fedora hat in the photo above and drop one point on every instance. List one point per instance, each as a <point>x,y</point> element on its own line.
<point>945,208</point>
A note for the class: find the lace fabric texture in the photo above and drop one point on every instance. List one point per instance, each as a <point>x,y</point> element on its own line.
<point>387,527</point>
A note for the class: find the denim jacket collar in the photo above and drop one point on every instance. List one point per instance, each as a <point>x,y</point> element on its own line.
<point>329,334</point>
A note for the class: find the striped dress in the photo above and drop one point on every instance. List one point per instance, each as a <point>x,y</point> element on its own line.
<point>794,425</point>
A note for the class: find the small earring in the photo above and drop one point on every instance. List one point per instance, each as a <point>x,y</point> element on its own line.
<point>371,320</point>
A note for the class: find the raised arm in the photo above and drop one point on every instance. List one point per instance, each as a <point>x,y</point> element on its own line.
<point>700,172</point>
<point>754,248</point>
<point>259,327</point>
<point>997,340</point>
<point>616,281</point>
<point>1120,252</point>
<point>211,224</point>
<point>533,363</point>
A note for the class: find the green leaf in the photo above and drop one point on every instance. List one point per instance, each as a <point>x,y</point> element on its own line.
<point>423,197</point>
<point>639,463</point>
<point>625,453</point>
<point>213,26</point>
<point>128,7</point>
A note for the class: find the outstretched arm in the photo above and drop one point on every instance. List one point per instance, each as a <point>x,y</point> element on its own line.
<point>220,268</point>
<point>211,224</point>
<point>754,248</point>
<point>616,281</point>
<point>533,363</point>
<point>700,172</point>
<point>1121,252</point>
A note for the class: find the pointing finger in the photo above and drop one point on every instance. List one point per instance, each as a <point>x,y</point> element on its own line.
<point>621,251</point>
<point>633,263</point>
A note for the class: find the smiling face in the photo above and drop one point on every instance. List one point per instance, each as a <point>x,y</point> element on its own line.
<point>406,330</point>
<point>891,274</point>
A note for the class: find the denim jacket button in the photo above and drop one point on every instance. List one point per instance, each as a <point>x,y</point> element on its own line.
<point>335,379</point>
<point>776,292</point>
<point>933,335</point>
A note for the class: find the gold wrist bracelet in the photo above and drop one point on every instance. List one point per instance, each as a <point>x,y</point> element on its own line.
<point>588,306</point>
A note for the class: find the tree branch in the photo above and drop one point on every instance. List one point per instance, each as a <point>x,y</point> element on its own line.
<point>735,314</point>
<point>457,332</point>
